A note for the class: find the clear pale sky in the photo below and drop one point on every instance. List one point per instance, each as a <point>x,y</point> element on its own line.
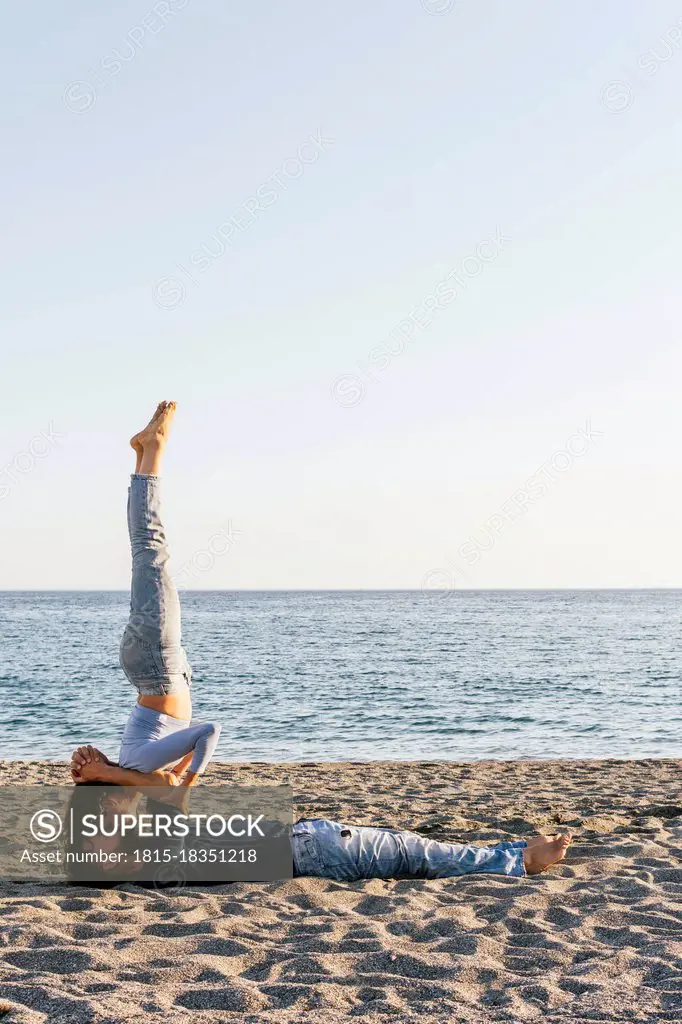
<point>131,132</point>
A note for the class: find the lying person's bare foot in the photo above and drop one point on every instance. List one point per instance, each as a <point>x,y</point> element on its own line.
<point>542,855</point>
<point>536,840</point>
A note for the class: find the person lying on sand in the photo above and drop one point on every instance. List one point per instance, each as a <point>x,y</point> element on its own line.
<point>323,848</point>
<point>162,747</point>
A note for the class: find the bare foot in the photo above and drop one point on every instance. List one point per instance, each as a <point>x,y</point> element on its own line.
<point>541,855</point>
<point>136,442</point>
<point>536,840</point>
<point>156,432</point>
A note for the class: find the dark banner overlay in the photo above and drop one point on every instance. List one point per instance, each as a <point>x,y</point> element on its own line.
<point>160,835</point>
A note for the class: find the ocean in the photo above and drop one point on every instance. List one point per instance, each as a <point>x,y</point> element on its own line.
<point>396,675</point>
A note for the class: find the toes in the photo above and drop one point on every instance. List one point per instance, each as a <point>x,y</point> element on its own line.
<point>561,845</point>
<point>168,412</point>
<point>160,409</point>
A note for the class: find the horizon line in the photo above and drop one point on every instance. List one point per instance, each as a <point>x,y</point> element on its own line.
<point>350,590</point>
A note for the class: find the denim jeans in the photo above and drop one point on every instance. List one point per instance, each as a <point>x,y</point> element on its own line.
<point>152,655</point>
<point>346,853</point>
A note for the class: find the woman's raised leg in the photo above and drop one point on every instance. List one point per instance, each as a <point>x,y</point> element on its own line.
<point>151,652</point>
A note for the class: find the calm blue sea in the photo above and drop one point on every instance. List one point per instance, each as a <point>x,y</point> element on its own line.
<point>366,675</point>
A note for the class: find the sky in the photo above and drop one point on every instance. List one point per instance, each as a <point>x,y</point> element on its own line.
<point>410,270</point>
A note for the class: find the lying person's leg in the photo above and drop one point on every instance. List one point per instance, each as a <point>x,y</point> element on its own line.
<point>347,853</point>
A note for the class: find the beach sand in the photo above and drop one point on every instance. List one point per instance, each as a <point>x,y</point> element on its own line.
<point>597,939</point>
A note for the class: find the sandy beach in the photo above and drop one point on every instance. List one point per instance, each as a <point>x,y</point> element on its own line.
<point>597,939</point>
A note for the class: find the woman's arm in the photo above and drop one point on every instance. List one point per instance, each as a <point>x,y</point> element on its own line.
<point>113,773</point>
<point>105,772</point>
<point>175,791</point>
<point>88,764</point>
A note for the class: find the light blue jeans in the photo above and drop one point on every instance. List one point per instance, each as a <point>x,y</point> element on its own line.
<point>152,655</point>
<point>346,853</point>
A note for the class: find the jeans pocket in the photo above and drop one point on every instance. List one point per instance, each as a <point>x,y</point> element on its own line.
<point>307,860</point>
<point>137,660</point>
<point>170,660</point>
<point>337,850</point>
